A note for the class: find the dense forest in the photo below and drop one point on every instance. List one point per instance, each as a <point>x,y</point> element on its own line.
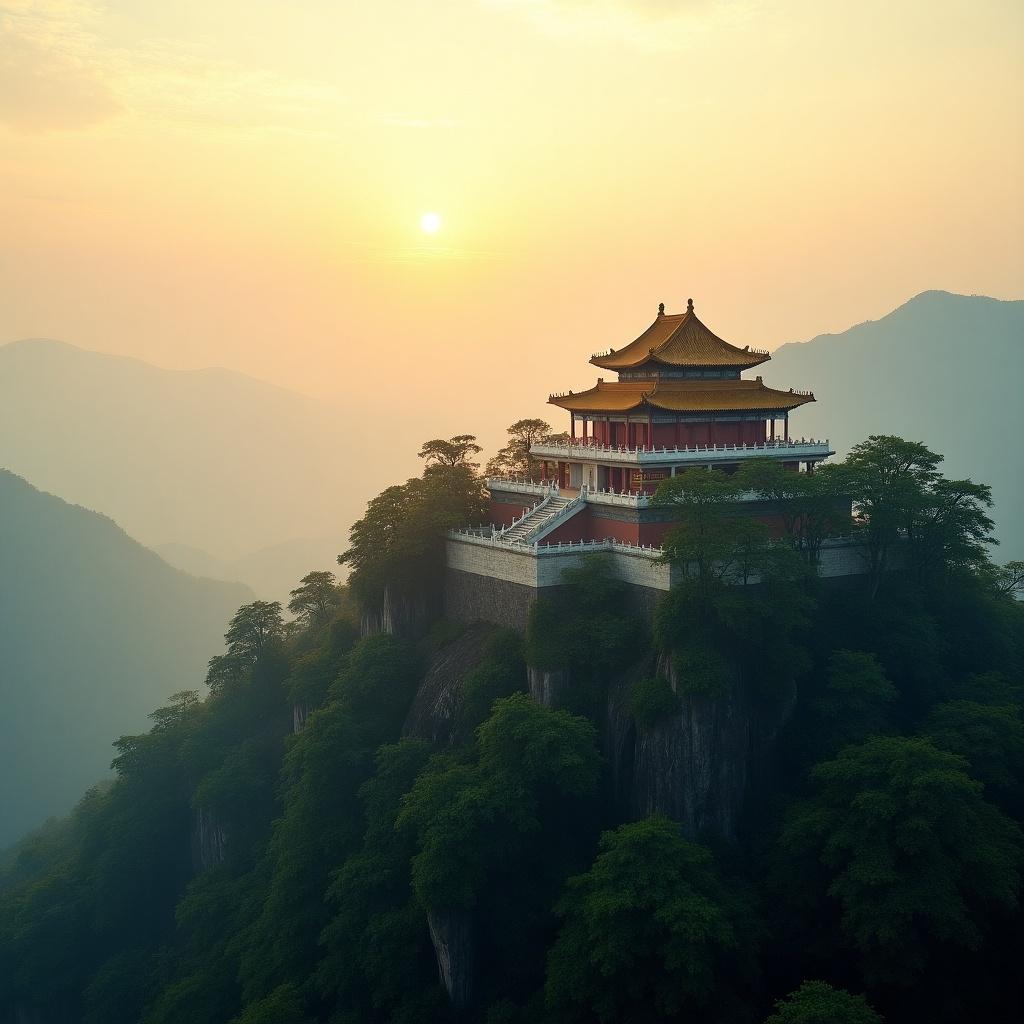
<point>358,825</point>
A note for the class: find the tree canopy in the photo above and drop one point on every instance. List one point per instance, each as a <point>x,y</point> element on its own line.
<point>351,822</point>
<point>514,460</point>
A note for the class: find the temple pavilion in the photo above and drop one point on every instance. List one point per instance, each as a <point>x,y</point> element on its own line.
<point>679,400</point>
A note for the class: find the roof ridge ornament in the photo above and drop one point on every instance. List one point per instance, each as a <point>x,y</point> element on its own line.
<point>689,305</point>
<point>661,309</point>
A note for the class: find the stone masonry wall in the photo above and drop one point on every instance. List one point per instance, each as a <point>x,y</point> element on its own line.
<point>472,598</point>
<point>492,582</point>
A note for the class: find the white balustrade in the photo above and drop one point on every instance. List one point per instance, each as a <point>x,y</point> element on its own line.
<point>802,449</point>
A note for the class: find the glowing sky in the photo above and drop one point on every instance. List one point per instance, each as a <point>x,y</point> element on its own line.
<point>242,182</point>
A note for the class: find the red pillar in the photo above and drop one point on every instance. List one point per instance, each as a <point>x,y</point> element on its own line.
<point>787,424</point>
<point>572,426</point>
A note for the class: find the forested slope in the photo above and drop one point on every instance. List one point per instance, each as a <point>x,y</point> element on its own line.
<point>435,843</point>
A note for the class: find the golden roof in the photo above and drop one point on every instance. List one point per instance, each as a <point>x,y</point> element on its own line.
<point>679,339</point>
<point>682,396</point>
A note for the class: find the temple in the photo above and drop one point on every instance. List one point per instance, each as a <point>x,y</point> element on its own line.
<point>680,400</point>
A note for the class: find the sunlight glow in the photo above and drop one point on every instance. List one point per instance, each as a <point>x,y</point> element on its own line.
<point>430,223</point>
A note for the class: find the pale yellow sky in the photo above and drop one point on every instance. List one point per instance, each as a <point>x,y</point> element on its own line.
<point>241,182</point>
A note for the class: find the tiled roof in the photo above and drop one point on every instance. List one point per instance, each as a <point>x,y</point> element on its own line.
<point>682,396</point>
<point>679,339</point>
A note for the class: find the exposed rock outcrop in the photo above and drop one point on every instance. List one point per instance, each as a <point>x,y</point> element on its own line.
<point>548,686</point>
<point>300,714</point>
<point>435,711</point>
<point>209,840</point>
<point>453,933</point>
<point>398,615</point>
<point>700,765</point>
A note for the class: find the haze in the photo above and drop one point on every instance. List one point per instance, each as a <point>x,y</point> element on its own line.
<point>242,183</point>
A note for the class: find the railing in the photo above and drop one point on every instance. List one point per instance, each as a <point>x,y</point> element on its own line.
<point>526,515</point>
<point>559,516</point>
<point>686,453</point>
<point>561,547</point>
<point>626,499</point>
<point>522,485</point>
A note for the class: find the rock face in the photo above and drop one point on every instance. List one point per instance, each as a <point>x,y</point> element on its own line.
<point>548,686</point>
<point>209,841</point>
<point>453,934</point>
<point>700,765</point>
<point>300,713</point>
<point>400,616</point>
<point>435,711</point>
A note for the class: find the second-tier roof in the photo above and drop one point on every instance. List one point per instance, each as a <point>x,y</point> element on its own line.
<point>679,339</point>
<point>681,396</point>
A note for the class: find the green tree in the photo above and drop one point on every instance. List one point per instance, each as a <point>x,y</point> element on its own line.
<point>312,673</point>
<point>316,598</point>
<point>810,505</point>
<point>588,629</point>
<point>469,818</point>
<point>949,528</point>
<point>1009,578</point>
<point>324,767</point>
<point>285,1005</point>
<point>989,736</point>
<point>515,460</point>
<point>718,628</point>
<point>378,957</point>
<point>456,451</point>
<point>650,932</point>
<point>398,546</point>
<point>900,837</point>
<point>704,539</point>
<point>901,495</point>
<point>856,702</point>
<point>816,1002</point>
<point>887,477</point>
<point>652,700</point>
<point>253,629</point>
<point>496,834</point>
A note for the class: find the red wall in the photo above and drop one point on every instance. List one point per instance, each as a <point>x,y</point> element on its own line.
<point>668,435</point>
<point>602,529</point>
<point>502,513</point>
<point>575,529</point>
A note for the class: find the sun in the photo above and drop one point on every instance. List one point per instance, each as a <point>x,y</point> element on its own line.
<point>430,223</point>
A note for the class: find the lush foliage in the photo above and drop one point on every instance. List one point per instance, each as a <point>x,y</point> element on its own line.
<point>816,1002</point>
<point>649,931</point>
<point>515,460</point>
<point>343,813</point>
<point>396,550</point>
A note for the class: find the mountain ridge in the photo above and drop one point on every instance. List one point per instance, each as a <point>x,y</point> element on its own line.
<point>943,369</point>
<point>95,629</point>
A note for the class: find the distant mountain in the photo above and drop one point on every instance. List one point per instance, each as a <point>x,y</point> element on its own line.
<point>209,459</point>
<point>271,571</point>
<point>95,631</point>
<point>943,369</point>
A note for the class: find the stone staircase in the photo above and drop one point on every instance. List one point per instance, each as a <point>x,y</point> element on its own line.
<point>535,522</point>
